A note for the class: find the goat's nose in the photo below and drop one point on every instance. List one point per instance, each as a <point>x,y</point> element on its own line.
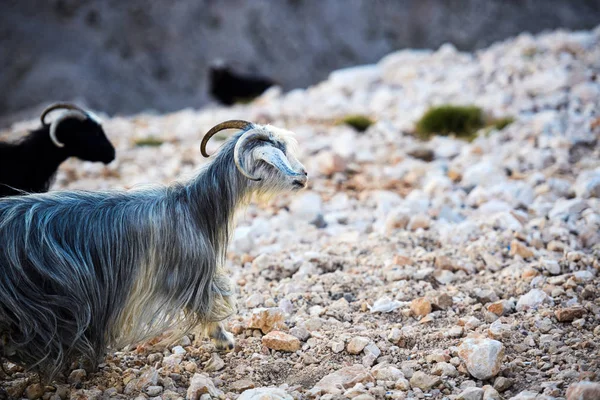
<point>303,178</point>
<point>303,172</point>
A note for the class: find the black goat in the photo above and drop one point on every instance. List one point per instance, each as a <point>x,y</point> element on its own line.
<point>229,87</point>
<point>29,165</point>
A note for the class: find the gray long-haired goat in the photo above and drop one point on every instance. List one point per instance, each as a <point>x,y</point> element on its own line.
<point>83,271</point>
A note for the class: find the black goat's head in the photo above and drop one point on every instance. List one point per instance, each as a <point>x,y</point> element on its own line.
<point>79,132</point>
<point>264,154</point>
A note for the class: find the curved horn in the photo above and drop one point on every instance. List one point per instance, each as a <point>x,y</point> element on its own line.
<point>237,155</point>
<point>231,124</point>
<point>63,106</point>
<point>61,118</point>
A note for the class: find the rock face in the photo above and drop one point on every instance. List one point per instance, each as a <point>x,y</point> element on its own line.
<point>266,319</point>
<point>93,394</point>
<point>472,393</point>
<point>584,391</point>
<point>489,393</point>
<point>148,378</point>
<point>174,45</point>
<point>330,163</point>
<point>76,376</point>
<point>552,266</point>
<point>533,299</point>
<point>344,378</point>
<point>568,314</point>
<point>420,307</point>
<point>386,373</point>
<point>265,394</point>
<point>518,248</point>
<point>525,395</point>
<point>34,392</point>
<point>241,385</point>
<point>444,369</point>
<point>201,385</point>
<point>424,381</point>
<point>281,341</point>
<point>483,357</point>
<point>215,363</point>
<point>357,344</point>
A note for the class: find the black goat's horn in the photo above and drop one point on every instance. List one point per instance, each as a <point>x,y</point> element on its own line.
<point>56,106</point>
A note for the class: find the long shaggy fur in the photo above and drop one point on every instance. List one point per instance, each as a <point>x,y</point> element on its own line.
<point>81,271</point>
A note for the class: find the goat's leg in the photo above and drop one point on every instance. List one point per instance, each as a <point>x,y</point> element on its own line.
<point>222,307</point>
<point>223,340</point>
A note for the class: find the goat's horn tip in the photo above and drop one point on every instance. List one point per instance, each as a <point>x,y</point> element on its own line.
<point>58,105</point>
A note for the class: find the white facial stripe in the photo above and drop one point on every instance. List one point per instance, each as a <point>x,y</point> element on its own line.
<point>276,158</point>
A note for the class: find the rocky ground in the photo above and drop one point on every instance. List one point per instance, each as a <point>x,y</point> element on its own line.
<point>408,269</point>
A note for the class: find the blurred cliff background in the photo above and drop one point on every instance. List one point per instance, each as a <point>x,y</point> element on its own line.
<point>130,56</point>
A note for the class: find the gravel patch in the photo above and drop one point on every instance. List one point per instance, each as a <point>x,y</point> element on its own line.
<point>408,269</point>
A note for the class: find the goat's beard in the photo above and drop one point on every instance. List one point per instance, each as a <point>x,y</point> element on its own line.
<point>273,183</point>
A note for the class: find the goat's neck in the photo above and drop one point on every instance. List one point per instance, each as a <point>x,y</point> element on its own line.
<point>40,158</point>
<point>216,193</point>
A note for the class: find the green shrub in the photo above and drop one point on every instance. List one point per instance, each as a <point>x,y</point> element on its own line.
<point>462,121</point>
<point>244,100</point>
<point>502,123</point>
<point>529,52</point>
<point>359,122</point>
<point>148,141</point>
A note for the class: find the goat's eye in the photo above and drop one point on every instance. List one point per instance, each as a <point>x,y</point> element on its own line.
<point>263,142</point>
